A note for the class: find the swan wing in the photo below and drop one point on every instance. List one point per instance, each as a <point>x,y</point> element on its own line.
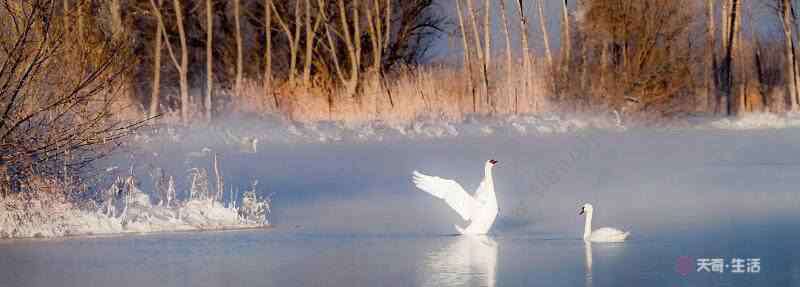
<point>456,197</point>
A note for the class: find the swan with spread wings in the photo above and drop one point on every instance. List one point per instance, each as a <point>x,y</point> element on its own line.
<point>480,210</point>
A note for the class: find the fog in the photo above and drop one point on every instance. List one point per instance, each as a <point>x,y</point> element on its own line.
<point>345,212</point>
<point>650,181</point>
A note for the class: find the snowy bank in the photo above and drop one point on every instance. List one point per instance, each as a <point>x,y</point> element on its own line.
<point>247,134</point>
<point>756,121</point>
<point>126,209</point>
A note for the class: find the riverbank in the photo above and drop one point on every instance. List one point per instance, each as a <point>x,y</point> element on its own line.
<point>126,210</point>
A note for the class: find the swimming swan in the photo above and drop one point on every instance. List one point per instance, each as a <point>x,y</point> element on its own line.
<point>480,209</point>
<point>605,234</point>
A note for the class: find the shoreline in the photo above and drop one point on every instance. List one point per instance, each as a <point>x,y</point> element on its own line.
<point>134,234</point>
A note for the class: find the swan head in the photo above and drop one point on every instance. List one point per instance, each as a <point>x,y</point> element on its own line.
<point>586,208</point>
<point>491,163</point>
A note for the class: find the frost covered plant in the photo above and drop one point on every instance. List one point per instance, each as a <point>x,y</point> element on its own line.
<point>108,198</point>
<point>253,208</point>
<point>199,186</point>
<point>170,193</point>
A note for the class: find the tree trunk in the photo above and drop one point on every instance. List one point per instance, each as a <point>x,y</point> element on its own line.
<point>566,39</point>
<point>184,66</point>
<point>154,95</point>
<point>66,12</point>
<point>210,56</point>
<point>711,68</point>
<point>81,19</point>
<point>309,46</point>
<point>729,54</point>
<point>794,52</point>
<point>479,49</point>
<point>487,32</point>
<point>293,38</point>
<point>467,58</point>
<point>375,35</point>
<point>725,20</point>
<point>487,47</point>
<point>604,57</point>
<point>526,56</point>
<point>509,62</point>
<point>239,47</point>
<point>740,76</point>
<point>545,36</point>
<point>117,29</point>
<point>789,71</point>
<point>355,53</point>
<point>311,31</point>
<point>509,55</point>
<point>761,77</point>
<point>583,35</point>
<point>353,45</point>
<point>268,54</point>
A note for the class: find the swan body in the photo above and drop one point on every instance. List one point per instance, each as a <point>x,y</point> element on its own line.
<point>605,234</point>
<point>480,209</point>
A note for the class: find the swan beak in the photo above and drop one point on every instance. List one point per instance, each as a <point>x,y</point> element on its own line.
<point>493,161</point>
<point>580,212</point>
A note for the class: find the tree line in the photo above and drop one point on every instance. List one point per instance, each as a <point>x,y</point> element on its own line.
<point>74,73</point>
<point>289,46</point>
<point>661,57</point>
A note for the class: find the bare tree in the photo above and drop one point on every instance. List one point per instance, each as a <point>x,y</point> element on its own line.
<point>467,58</point>
<point>183,65</point>
<point>526,55</point>
<point>507,34</point>
<point>711,65</point>
<point>379,24</point>
<point>789,72</point>
<point>210,54</point>
<point>293,37</point>
<point>348,34</point>
<point>727,63</point>
<point>545,36</point>
<point>268,53</point>
<point>156,89</point>
<point>479,49</point>
<point>311,32</point>
<point>115,9</point>
<point>56,102</point>
<point>487,32</point>
<point>645,61</point>
<point>566,38</point>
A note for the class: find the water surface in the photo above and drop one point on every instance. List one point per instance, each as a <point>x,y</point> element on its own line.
<point>346,214</point>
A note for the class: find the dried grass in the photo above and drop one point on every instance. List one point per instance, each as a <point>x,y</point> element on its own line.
<point>400,97</point>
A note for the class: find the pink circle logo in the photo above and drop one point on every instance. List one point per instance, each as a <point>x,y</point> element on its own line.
<point>684,265</point>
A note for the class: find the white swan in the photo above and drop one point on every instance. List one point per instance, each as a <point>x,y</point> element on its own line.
<point>480,209</point>
<point>605,234</point>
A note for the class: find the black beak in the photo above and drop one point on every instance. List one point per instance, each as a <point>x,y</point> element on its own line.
<point>493,161</point>
<point>581,212</point>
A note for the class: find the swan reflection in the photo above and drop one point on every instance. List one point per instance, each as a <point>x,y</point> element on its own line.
<point>588,249</point>
<point>466,261</point>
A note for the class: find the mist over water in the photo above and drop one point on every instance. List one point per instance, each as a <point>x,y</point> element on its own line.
<point>347,214</point>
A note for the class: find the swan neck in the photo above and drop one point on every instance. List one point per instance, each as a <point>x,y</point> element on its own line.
<point>587,227</point>
<point>487,173</point>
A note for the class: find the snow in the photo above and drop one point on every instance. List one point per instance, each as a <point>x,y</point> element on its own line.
<point>246,135</point>
<point>756,121</point>
<point>50,215</point>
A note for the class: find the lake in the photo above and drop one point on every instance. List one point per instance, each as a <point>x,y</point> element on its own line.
<point>346,214</point>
